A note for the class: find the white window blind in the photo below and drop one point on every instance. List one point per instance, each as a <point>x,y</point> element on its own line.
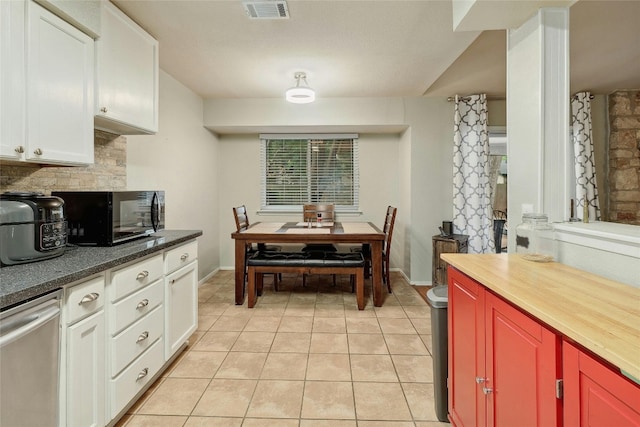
<point>299,169</point>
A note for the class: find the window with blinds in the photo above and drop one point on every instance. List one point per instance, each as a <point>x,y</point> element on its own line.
<point>299,169</point>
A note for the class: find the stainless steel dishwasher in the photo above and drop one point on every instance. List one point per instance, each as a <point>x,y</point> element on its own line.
<point>29,362</point>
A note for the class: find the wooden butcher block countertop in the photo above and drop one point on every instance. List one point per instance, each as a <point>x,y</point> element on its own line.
<point>600,314</point>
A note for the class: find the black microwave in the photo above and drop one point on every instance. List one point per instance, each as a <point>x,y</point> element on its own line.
<point>106,218</point>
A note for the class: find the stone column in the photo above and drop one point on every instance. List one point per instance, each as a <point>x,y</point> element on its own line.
<point>624,157</point>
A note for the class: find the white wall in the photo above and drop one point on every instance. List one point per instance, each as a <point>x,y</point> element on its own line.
<point>614,266</point>
<point>402,229</point>
<point>431,178</point>
<point>181,159</point>
<point>410,168</point>
<point>382,115</point>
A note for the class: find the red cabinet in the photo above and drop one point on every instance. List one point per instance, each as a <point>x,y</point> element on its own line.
<point>466,350</point>
<point>596,395</point>
<point>503,365</point>
<point>523,366</point>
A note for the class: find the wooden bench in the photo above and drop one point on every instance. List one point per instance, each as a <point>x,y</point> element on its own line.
<point>304,263</point>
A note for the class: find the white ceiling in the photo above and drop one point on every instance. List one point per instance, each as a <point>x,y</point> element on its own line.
<point>360,48</point>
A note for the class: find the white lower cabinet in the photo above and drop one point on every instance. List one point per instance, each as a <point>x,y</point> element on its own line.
<point>152,310</point>
<point>85,372</point>
<point>83,380</point>
<point>120,329</point>
<point>182,306</point>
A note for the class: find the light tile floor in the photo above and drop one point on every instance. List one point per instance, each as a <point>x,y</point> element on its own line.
<point>303,357</point>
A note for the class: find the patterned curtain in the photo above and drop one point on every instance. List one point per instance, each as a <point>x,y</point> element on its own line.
<point>472,213</point>
<point>585,167</point>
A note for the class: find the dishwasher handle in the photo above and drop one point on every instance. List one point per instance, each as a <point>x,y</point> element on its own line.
<point>30,323</point>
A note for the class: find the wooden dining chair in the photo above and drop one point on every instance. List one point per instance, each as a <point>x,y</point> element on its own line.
<point>311,213</point>
<point>389,222</point>
<point>326,214</point>
<point>499,221</point>
<point>242,223</point>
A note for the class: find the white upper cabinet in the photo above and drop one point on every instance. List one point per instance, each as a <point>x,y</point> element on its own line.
<point>126,76</point>
<point>82,14</point>
<point>12,79</point>
<point>47,116</point>
<point>59,90</point>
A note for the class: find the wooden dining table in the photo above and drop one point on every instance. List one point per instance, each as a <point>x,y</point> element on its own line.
<point>301,233</point>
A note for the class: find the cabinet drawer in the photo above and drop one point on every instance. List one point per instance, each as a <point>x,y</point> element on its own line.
<point>180,256</point>
<point>136,276</point>
<point>136,306</point>
<point>84,299</point>
<point>135,377</point>
<point>135,339</point>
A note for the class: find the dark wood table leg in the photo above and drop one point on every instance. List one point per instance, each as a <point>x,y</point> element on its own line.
<point>376,268</point>
<point>360,289</point>
<point>240,253</point>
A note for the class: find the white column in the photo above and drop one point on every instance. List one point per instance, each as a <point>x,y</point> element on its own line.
<point>538,116</point>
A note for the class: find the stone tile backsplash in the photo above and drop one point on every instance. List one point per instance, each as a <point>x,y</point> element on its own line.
<point>109,172</point>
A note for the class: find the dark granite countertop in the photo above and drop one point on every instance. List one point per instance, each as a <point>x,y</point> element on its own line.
<point>19,283</point>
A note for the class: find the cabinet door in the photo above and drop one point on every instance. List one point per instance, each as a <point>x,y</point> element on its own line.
<point>86,376</point>
<point>12,79</point>
<point>182,306</point>
<point>523,364</point>
<point>59,90</point>
<point>595,395</point>
<point>127,76</point>
<point>466,350</point>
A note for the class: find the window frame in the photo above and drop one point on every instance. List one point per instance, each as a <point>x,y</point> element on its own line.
<point>294,208</point>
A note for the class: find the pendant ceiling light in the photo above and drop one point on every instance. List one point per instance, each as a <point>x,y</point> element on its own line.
<point>301,93</point>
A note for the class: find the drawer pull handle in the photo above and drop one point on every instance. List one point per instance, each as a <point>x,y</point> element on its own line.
<point>19,149</point>
<point>143,374</point>
<point>184,257</point>
<point>142,304</point>
<point>143,336</point>
<point>480,380</point>
<point>487,390</point>
<point>89,298</point>
<point>37,152</point>
<point>142,275</point>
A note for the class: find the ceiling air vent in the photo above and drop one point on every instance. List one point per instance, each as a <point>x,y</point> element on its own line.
<point>268,9</point>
